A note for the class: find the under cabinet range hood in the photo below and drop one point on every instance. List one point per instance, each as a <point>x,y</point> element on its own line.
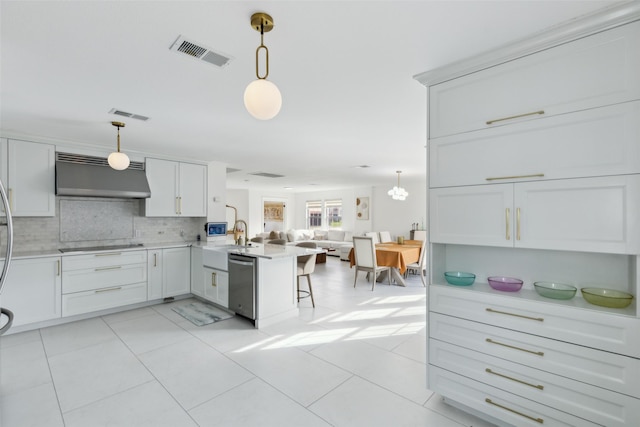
<point>79,175</point>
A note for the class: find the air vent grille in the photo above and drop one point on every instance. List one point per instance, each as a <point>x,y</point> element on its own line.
<point>232,170</point>
<point>91,160</point>
<point>130,115</point>
<point>267,175</point>
<point>200,52</point>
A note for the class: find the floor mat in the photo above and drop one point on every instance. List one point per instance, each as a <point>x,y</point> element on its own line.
<point>200,313</point>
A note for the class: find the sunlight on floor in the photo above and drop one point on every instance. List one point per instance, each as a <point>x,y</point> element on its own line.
<point>311,338</point>
<point>388,330</point>
<point>401,299</point>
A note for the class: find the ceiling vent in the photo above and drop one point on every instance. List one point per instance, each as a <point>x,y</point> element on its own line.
<point>200,52</point>
<point>130,115</point>
<point>232,170</point>
<point>267,175</point>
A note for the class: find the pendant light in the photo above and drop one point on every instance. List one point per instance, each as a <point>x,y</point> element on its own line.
<point>262,98</point>
<point>117,160</point>
<point>397,192</point>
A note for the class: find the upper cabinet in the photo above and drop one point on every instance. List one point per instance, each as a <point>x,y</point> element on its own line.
<point>177,189</point>
<point>27,170</point>
<point>590,72</point>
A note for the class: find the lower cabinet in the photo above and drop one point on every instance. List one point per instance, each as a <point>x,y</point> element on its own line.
<point>33,290</point>
<point>197,273</point>
<point>216,286</point>
<point>92,282</point>
<point>169,272</point>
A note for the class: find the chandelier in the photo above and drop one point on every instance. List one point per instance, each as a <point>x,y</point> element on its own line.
<point>397,192</point>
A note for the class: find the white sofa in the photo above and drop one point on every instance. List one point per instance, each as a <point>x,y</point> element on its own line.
<point>326,239</point>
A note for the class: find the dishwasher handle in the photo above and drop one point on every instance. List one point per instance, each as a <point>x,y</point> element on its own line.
<point>239,262</point>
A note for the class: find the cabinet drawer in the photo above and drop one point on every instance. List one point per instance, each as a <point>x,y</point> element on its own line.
<point>596,404</point>
<point>608,370</point>
<point>103,277</point>
<point>605,138</point>
<point>618,334</point>
<point>102,259</point>
<point>590,72</point>
<point>102,299</point>
<point>504,406</point>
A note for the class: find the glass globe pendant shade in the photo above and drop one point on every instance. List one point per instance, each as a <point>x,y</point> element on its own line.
<point>118,161</point>
<point>262,99</point>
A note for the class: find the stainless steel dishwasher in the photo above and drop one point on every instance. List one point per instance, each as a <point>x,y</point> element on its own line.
<point>242,285</point>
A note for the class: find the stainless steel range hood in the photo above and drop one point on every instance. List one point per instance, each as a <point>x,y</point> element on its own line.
<point>79,175</point>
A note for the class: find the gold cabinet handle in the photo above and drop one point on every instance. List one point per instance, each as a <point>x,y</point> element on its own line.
<point>177,206</point>
<point>517,223</point>
<point>180,205</point>
<point>108,289</point>
<point>496,178</point>
<point>214,279</point>
<point>534,113</point>
<point>491,310</point>
<point>507,214</point>
<point>58,266</point>
<point>155,259</point>
<point>115,267</point>
<point>11,199</point>
<point>538,386</point>
<point>537,353</point>
<point>491,402</point>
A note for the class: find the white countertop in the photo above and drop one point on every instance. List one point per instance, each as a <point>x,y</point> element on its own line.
<point>258,250</point>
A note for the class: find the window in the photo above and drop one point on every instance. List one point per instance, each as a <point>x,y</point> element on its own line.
<point>314,214</point>
<point>326,213</point>
<point>333,213</point>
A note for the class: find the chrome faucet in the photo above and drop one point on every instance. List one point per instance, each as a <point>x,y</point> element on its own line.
<point>246,233</point>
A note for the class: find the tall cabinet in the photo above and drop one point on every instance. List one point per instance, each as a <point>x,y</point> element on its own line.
<point>534,172</point>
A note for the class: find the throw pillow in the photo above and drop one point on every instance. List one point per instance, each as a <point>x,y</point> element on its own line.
<point>274,235</point>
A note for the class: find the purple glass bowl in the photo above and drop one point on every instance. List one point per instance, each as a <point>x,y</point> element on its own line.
<point>505,284</point>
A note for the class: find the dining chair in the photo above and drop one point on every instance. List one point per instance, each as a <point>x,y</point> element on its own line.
<point>421,264</point>
<point>364,250</point>
<point>385,236</point>
<point>277,242</point>
<point>306,266</point>
<point>374,235</point>
<point>420,235</point>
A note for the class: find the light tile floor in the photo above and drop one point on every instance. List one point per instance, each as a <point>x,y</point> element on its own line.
<point>357,359</point>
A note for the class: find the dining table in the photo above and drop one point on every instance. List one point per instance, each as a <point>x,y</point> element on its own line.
<point>396,256</point>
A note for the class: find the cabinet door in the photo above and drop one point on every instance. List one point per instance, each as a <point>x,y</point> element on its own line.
<point>33,290</point>
<point>176,269</point>
<point>154,275</point>
<point>31,178</point>
<point>480,215</point>
<point>197,272</point>
<point>193,190</point>
<point>216,286</point>
<point>596,142</point>
<point>163,182</point>
<point>591,214</point>
<point>590,72</point>
<point>4,150</point>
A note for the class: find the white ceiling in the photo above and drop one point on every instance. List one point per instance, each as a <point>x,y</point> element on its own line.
<point>344,69</point>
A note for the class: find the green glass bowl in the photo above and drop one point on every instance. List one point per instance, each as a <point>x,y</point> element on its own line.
<point>607,297</point>
<point>555,290</point>
<point>459,278</point>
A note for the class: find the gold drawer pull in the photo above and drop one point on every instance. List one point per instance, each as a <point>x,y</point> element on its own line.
<point>491,310</point>
<point>109,289</point>
<point>214,279</point>
<point>518,224</point>
<point>538,386</point>
<point>534,113</point>
<point>109,254</point>
<point>537,353</point>
<point>491,402</point>
<point>497,178</point>
<point>108,268</point>
<point>507,215</point>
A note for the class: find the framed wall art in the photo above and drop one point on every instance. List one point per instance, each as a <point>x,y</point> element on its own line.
<point>362,208</point>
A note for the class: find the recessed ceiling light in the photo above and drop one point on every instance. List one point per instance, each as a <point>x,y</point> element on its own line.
<point>288,188</point>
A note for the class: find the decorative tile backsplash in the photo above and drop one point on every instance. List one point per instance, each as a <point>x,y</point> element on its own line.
<point>92,221</point>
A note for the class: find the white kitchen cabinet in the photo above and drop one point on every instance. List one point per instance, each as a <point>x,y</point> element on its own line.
<point>216,286</point>
<point>606,140</point>
<point>27,170</point>
<point>33,290</point>
<point>177,189</point>
<point>533,173</point>
<point>589,214</point>
<point>197,272</point>
<point>92,282</point>
<point>169,272</point>
<point>589,72</point>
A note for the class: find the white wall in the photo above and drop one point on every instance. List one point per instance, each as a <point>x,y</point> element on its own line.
<point>397,216</point>
<point>250,207</point>
<point>216,191</point>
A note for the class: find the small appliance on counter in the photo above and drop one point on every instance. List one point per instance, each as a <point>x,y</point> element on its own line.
<point>215,229</point>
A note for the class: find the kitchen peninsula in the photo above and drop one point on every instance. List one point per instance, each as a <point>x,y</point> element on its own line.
<point>273,269</point>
